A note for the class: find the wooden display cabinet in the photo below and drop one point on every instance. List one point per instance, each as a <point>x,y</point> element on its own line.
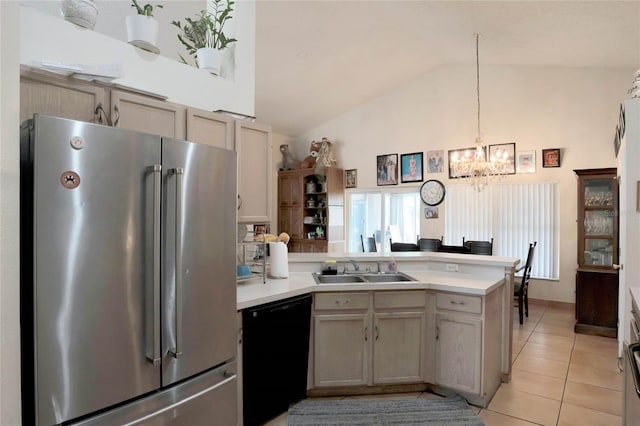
<point>311,209</point>
<point>597,273</point>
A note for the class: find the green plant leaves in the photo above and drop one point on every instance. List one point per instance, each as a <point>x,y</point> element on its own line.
<point>206,30</point>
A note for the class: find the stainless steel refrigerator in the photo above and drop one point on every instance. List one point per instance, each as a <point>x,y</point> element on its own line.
<point>128,294</point>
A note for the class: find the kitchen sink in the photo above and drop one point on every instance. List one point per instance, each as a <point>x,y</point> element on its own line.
<point>362,278</point>
<point>337,279</point>
<point>388,278</point>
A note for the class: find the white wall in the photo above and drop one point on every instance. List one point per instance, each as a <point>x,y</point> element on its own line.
<point>9,217</point>
<point>58,40</point>
<point>575,110</point>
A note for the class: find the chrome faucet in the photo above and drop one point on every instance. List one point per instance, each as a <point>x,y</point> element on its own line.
<point>356,267</point>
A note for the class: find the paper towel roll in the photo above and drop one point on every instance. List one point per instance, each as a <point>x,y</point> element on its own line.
<point>279,260</point>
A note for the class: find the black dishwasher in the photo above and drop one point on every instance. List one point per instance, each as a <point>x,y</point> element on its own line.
<point>275,353</point>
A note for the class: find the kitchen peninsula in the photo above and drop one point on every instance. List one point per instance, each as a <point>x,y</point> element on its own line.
<point>450,329</point>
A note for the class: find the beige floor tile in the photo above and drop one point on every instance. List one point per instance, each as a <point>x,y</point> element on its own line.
<point>543,366</point>
<point>537,384</point>
<point>521,334</point>
<point>526,325</point>
<point>595,376</point>
<point>573,415</point>
<point>551,340</point>
<point>554,329</point>
<point>491,418</point>
<point>604,361</point>
<point>599,344</point>
<point>554,353</point>
<point>525,406</point>
<point>594,397</point>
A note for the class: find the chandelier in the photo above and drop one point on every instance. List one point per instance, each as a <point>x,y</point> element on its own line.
<point>473,164</point>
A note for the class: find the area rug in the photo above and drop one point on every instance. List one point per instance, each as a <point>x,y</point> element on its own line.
<point>450,411</point>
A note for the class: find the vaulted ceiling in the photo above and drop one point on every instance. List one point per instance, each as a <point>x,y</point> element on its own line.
<point>317,59</point>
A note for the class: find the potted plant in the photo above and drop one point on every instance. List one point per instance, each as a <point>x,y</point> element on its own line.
<point>204,37</point>
<point>80,12</point>
<point>142,29</point>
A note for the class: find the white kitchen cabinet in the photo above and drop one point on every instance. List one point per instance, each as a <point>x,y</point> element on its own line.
<point>399,337</point>
<point>467,344</point>
<point>458,352</point>
<point>371,338</point>
<point>341,339</point>
<point>210,128</point>
<point>148,115</point>
<point>60,97</point>
<point>253,145</point>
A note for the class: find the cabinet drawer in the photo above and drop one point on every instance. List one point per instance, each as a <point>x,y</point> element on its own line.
<point>342,301</point>
<point>459,302</point>
<point>400,299</point>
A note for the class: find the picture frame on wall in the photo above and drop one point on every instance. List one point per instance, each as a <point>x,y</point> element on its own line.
<point>430,212</point>
<point>351,178</point>
<point>411,167</point>
<point>387,169</point>
<point>435,161</point>
<point>526,162</point>
<point>457,154</point>
<point>507,151</point>
<point>551,157</point>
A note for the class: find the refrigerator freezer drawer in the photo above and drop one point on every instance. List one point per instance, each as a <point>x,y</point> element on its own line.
<point>210,398</point>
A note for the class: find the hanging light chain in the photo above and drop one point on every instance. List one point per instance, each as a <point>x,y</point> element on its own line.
<point>477,35</point>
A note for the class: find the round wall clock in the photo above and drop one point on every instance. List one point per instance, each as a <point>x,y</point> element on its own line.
<point>432,192</point>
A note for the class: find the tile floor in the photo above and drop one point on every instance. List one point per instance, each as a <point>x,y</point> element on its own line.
<point>559,377</point>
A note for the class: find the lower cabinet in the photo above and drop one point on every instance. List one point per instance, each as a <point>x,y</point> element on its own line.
<point>468,344</point>
<point>458,352</point>
<point>369,338</point>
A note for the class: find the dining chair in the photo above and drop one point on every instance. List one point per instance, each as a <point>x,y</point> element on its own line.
<point>479,247</point>
<point>369,244</point>
<point>403,246</point>
<point>429,244</point>
<point>521,288</point>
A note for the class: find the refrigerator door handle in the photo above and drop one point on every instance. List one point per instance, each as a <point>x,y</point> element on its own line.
<point>179,172</point>
<point>153,356</point>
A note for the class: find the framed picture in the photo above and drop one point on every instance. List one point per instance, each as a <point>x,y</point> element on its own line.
<point>551,157</point>
<point>387,169</point>
<point>526,162</point>
<point>506,151</point>
<point>411,167</point>
<point>435,161</point>
<point>351,178</point>
<point>456,155</point>
<point>617,140</point>
<point>430,212</point>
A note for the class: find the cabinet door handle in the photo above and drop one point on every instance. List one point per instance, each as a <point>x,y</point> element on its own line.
<point>453,302</point>
<point>437,332</point>
<point>377,332</point>
<point>239,201</point>
<point>365,333</point>
<point>116,115</point>
<point>620,266</point>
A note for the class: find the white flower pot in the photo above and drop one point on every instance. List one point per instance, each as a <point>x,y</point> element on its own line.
<point>209,59</point>
<point>142,32</point>
<point>80,12</point>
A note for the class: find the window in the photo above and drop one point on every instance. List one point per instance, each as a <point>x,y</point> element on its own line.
<point>513,215</point>
<point>396,212</point>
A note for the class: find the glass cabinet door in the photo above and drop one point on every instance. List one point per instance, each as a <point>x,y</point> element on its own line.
<point>597,219</point>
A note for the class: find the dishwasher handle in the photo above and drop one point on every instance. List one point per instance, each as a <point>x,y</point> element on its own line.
<point>633,348</point>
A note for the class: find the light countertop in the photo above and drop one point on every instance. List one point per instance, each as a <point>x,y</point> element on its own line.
<point>254,292</point>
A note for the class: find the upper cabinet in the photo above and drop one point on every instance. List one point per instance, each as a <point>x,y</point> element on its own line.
<point>141,113</point>
<point>253,145</point>
<point>209,128</point>
<point>597,218</point>
<point>60,97</point>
